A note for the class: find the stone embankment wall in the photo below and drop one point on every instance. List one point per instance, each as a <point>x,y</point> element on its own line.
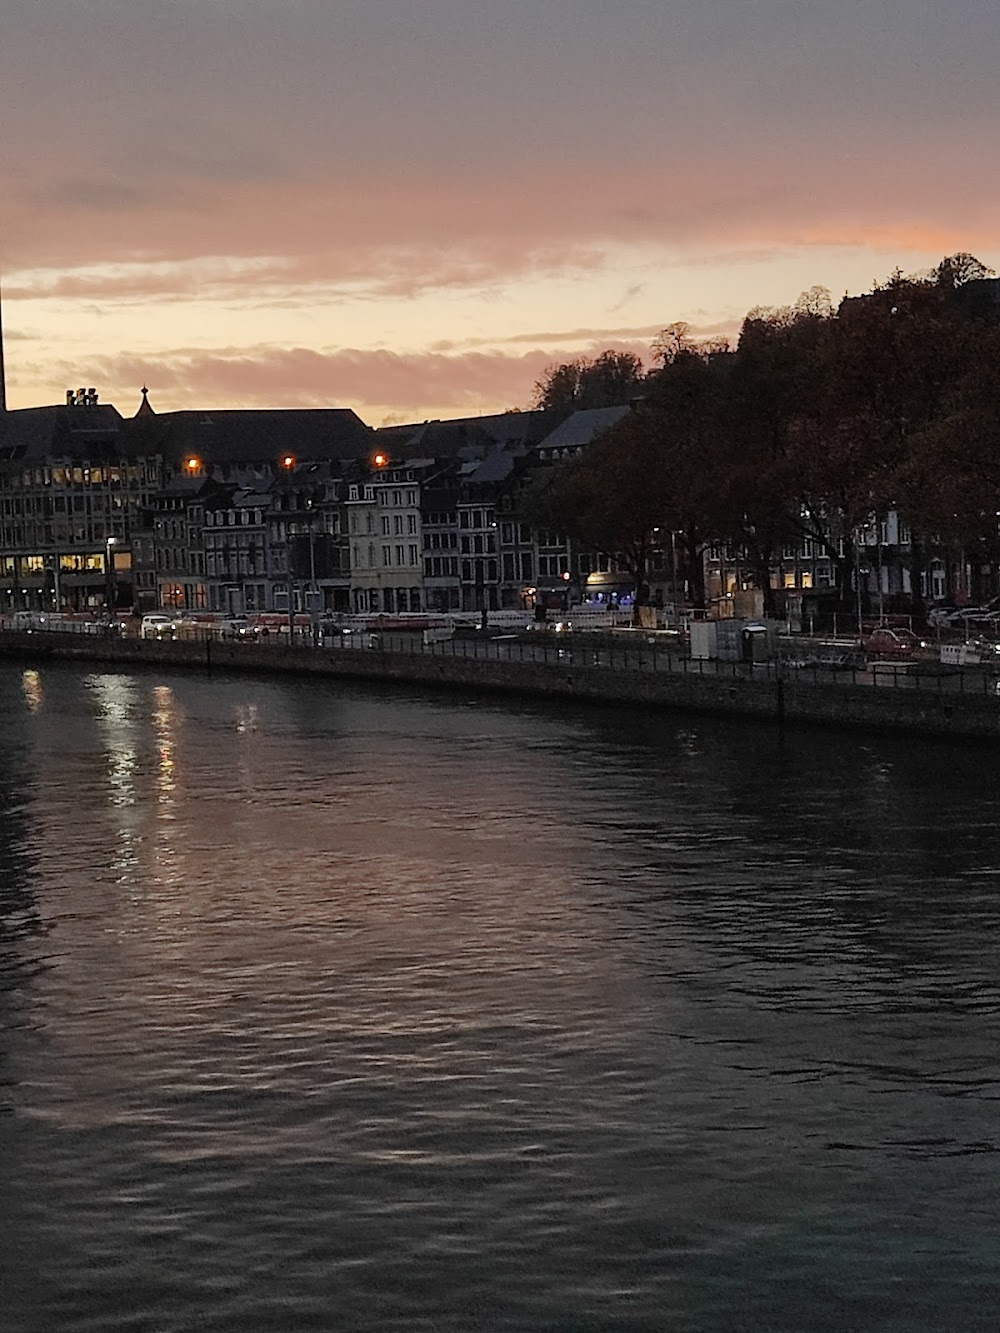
<point>791,699</point>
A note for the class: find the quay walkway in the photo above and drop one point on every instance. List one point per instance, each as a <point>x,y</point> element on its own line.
<point>920,698</point>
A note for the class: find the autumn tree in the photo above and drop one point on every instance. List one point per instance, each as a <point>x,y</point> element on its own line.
<point>956,270</point>
<point>898,358</point>
<point>609,380</point>
<point>611,498</point>
<point>685,411</point>
<point>771,386</point>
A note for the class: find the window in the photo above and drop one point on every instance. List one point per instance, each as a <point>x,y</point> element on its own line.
<point>385,525</point>
<point>412,549</point>
<point>387,555</point>
<point>397,524</point>
<point>399,556</point>
<point>411,524</point>
<point>526,566</point>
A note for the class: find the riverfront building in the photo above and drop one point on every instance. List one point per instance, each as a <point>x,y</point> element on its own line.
<point>238,511</point>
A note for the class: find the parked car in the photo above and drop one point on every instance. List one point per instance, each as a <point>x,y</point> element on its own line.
<point>973,613</point>
<point>942,613</point>
<point>29,620</point>
<point>238,627</point>
<point>157,625</point>
<point>828,659</point>
<point>884,642</point>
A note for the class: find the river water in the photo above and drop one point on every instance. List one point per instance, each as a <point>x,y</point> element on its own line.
<point>323,1007</point>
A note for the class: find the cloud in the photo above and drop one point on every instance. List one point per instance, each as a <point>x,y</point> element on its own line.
<point>371,381</point>
<point>397,146</point>
<point>309,157</point>
<point>395,233</point>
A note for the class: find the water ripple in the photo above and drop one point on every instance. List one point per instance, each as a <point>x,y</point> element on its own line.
<point>321,1009</point>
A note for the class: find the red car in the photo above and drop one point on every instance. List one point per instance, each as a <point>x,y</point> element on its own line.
<point>884,642</point>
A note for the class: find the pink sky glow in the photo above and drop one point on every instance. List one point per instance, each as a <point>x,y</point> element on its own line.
<point>413,212</point>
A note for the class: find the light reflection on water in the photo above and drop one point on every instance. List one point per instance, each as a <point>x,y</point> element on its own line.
<point>323,1008</point>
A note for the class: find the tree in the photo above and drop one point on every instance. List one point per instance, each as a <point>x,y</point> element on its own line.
<point>609,499</point>
<point>771,386</point>
<point>651,474</point>
<point>609,380</point>
<point>685,411</point>
<point>672,342</point>
<point>956,270</point>
<point>899,355</point>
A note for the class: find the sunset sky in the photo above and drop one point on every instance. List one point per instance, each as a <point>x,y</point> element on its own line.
<point>411,207</point>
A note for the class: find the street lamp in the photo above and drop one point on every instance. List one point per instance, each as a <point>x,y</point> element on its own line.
<point>288,464</point>
<point>313,585</point>
<point>109,575</point>
<point>56,589</point>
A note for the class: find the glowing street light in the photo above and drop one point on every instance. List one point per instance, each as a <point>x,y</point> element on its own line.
<point>109,574</point>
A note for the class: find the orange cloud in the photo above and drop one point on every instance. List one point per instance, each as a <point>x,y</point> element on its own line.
<point>375,383</point>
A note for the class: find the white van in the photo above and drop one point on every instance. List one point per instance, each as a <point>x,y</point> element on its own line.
<point>157,625</point>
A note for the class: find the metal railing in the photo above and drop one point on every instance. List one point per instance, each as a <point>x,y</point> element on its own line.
<point>544,650</point>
